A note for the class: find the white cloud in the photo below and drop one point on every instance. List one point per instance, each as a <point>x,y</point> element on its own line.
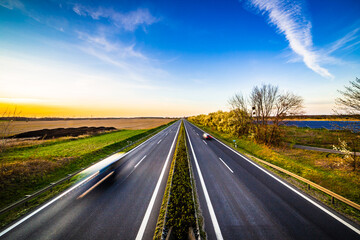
<point>11,4</point>
<point>289,19</point>
<point>129,21</point>
<point>350,40</point>
<point>100,41</point>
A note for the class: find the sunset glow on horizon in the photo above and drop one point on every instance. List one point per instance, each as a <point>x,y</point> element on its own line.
<point>145,58</point>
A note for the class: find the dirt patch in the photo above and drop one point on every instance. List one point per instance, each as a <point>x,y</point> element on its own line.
<point>62,132</point>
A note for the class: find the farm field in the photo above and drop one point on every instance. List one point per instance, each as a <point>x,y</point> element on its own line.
<point>17,127</point>
<point>315,137</point>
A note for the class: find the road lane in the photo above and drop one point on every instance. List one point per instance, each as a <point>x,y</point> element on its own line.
<point>250,204</point>
<point>115,208</point>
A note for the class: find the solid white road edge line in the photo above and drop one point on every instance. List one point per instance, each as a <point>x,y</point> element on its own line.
<point>293,189</point>
<point>140,161</point>
<point>226,165</point>
<point>144,222</point>
<point>206,194</point>
<point>44,206</point>
<point>69,190</point>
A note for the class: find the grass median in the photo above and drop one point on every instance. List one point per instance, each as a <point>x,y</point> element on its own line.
<point>178,214</point>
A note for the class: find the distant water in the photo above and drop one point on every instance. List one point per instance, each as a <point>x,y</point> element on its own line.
<point>331,125</point>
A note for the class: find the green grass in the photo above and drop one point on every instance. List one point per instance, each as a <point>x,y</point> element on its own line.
<point>26,170</point>
<point>181,207</point>
<point>315,137</point>
<point>164,204</point>
<point>33,175</point>
<point>314,166</point>
<point>74,148</point>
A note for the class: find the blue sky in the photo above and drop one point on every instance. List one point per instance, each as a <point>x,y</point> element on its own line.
<point>172,58</point>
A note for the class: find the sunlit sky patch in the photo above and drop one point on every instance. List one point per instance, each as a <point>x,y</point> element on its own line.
<point>172,58</point>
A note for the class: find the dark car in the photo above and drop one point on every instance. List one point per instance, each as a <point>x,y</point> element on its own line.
<point>207,136</point>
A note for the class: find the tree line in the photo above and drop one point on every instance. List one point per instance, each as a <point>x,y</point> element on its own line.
<point>257,116</point>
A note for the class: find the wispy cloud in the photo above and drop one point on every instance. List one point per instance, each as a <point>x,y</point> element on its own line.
<point>129,21</point>
<point>350,40</point>
<point>11,4</point>
<point>289,19</point>
<point>100,41</point>
<point>26,8</point>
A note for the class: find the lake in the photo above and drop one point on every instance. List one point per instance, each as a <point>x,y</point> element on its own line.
<point>331,125</point>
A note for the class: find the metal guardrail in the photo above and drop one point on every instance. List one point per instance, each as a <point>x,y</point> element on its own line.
<point>50,187</point>
<point>310,183</point>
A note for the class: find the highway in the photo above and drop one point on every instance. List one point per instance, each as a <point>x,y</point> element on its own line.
<point>241,200</point>
<point>125,205</point>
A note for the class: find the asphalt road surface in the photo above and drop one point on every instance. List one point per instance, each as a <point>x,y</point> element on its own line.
<point>240,200</point>
<point>124,206</point>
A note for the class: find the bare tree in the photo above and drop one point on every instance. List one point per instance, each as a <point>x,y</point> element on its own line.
<point>265,104</point>
<point>263,100</point>
<point>350,99</point>
<point>349,103</point>
<point>287,104</point>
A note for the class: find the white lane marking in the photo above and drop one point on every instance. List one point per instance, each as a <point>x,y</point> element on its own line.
<point>295,191</point>
<point>197,134</point>
<point>205,142</point>
<point>159,141</point>
<point>140,161</point>
<point>144,222</point>
<point>69,190</point>
<point>206,194</point>
<point>93,187</point>
<point>226,165</point>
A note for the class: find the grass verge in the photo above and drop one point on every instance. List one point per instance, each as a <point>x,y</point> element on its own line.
<point>178,207</point>
<point>315,137</point>
<point>307,164</point>
<point>20,190</point>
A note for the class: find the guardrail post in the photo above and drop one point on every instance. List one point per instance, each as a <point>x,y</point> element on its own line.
<point>308,186</point>
<point>332,200</point>
<point>27,202</point>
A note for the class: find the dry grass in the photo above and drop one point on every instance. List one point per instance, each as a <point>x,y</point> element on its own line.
<point>130,123</point>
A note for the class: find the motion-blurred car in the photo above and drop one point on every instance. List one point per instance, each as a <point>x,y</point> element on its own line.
<point>207,136</point>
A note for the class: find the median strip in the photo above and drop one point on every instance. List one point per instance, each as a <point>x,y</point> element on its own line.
<point>144,222</point>
<point>206,194</point>
<point>179,214</point>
